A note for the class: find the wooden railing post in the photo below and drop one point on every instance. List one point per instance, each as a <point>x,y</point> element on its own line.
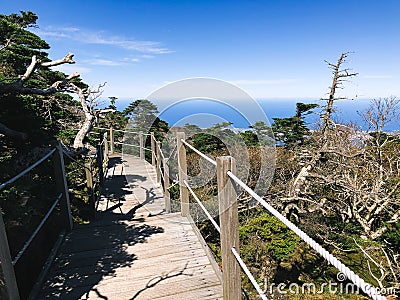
<point>111,140</point>
<point>6,264</point>
<point>89,184</point>
<point>89,175</point>
<point>105,143</point>
<point>167,196</point>
<point>99,163</point>
<point>62,187</point>
<point>158,166</point>
<point>141,145</point>
<point>228,218</point>
<point>153,149</point>
<point>182,166</point>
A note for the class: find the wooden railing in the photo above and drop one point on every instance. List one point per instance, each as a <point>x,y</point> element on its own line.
<point>228,183</point>
<point>158,160</point>
<point>95,170</point>
<point>14,283</point>
<point>228,227</point>
<point>228,213</point>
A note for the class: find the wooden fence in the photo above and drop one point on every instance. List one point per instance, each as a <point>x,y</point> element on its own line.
<point>15,284</point>
<point>228,212</point>
<point>228,226</point>
<point>15,269</point>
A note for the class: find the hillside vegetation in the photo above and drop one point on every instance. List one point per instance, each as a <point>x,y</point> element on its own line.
<point>339,183</point>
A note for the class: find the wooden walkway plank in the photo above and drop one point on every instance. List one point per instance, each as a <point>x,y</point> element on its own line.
<point>135,251</point>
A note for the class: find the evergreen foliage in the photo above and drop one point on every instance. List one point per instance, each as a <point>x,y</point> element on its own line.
<point>293,131</point>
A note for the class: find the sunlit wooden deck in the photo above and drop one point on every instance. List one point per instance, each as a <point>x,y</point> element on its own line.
<point>135,250</point>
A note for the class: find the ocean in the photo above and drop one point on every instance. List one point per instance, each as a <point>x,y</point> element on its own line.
<point>205,112</point>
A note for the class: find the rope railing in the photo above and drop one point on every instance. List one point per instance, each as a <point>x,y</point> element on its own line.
<point>73,159</point>
<point>158,156</point>
<point>131,145</point>
<point>161,173</point>
<point>101,128</point>
<point>28,169</point>
<point>36,231</point>
<point>14,281</point>
<point>174,184</point>
<point>161,152</point>
<point>202,207</point>
<point>125,144</point>
<point>199,153</point>
<point>126,131</point>
<point>249,275</point>
<point>358,281</point>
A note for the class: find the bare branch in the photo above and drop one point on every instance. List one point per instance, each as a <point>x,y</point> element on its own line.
<point>18,86</point>
<point>56,87</point>
<point>6,44</point>
<point>68,59</point>
<point>31,68</point>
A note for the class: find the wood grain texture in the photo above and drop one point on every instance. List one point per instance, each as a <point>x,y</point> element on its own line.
<point>228,218</point>
<point>139,252</point>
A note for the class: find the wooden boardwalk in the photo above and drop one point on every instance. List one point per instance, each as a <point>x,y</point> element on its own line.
<point>132,251</point>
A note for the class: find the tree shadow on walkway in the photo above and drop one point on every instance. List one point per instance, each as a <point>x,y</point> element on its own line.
<point>95,251</point>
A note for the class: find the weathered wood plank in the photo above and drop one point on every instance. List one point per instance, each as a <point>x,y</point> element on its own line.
<point>136,253</point>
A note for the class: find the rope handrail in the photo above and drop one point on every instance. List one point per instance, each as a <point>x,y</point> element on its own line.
<point>75,160</point>
<point>161,173</point>
<point>36,231</point>
<point>101,128</point>
<point>136,132</point>
<point>199,153</point>
<point>120,143</point>
<point>161,153</point>
<point>174,184</point>
<point>249,275</point>
<point>102,142</point>
<point>358,281</point>
<point>121,130</point>
<point>202,206</point>
<point>28,169</point>
<point>137,146</point>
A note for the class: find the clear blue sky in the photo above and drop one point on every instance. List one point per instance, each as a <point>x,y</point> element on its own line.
<point>269,48</point>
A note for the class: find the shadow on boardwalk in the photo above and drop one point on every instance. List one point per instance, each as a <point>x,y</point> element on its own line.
<point>158,279</point>
<point>139,253</point>
<point>95,251</point>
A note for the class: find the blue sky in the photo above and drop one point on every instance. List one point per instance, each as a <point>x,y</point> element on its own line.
<point>271,49</point>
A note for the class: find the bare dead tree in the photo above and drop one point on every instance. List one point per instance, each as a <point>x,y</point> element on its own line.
<point>88,99</point>
<point>340,75</point>
<point>361,170</point>
<point>19,87</point>
<point>385,265</point>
